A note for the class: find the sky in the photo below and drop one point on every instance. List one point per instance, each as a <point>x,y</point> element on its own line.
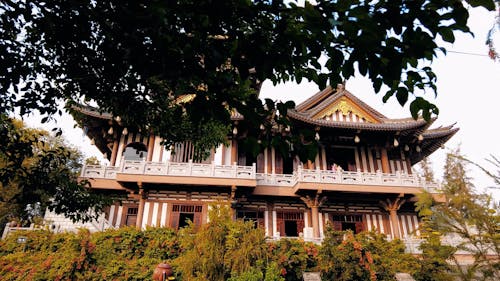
<point>468,94</point>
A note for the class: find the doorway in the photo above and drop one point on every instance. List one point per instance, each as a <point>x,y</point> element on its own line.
<point>185,218</point>
<point>343,156</point>
<point>291,228</point>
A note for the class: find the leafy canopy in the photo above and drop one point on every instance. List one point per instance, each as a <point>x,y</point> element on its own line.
<point>469,219</point>
<point>39,171</point>
<point>135,59</point>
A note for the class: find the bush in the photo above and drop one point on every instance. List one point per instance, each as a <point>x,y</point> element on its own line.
<point>124,254</point>
<point>294,257</point>
<point>364,256</point>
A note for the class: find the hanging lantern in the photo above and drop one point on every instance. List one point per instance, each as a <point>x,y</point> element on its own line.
<point>262,127</point>
<point>92,142</point>
<point>420,137</point>
<point>235,131</point>
<point>407,148</point>
<point>125,131</point>
<point>396,142</point>
<point>316,137</point>
<point>118,118</point>
<point>418,149</point>
<point>110,131</point>
<point>357,139</point>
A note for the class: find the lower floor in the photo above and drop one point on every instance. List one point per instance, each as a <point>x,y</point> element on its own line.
<point>302,216</point>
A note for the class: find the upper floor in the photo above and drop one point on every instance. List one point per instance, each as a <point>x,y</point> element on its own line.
<point>358,149</point>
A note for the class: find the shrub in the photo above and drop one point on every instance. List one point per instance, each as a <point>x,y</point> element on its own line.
<point>124,254</point>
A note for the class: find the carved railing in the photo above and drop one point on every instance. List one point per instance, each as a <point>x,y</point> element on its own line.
<point>191,169</point>
<point>101,223</point>
<point>188,169</point>
<point>463,247</point>
<point>10,229</point>
<point>345,177</point>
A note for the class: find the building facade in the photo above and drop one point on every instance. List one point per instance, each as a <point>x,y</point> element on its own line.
<point>361,179</point>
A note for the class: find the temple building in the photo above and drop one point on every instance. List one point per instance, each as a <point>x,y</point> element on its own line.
<point>361,179</point>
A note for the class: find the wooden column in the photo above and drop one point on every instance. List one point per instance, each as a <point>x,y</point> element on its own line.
<point>233,202</point>
<point>314,204</point>
<point>273,161</point>
<point>309,218</point>
<point>114,152</point>
<point>234,151</point>
<point>270,209</point>
<point>385,160</point>
<point>323,158</point>
<point>266,162</point>
<point>151,147</point>
<point>315,220</point>
<point>392,206</point>
<point>142,201</point>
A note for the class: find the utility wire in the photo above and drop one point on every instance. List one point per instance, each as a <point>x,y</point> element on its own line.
<point>467,53</point>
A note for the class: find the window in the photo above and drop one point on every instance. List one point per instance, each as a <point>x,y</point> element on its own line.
<point>135,151</point>
<point>131,218</point>
<point>342,156</point>
<point>290,223</point>
<point>182,214</point>
<point>348,222</point>
<point>257,217</point>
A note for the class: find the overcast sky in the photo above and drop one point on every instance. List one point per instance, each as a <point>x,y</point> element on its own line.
<point>468,95</point>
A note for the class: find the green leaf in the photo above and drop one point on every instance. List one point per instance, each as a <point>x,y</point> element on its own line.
<point>488,4</point>
<point>402,95</point>
<point>415,107</point>
<point>388,95</point>
<point>447,34</point>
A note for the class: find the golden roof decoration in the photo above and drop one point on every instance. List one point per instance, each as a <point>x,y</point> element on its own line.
<point>345,106</point>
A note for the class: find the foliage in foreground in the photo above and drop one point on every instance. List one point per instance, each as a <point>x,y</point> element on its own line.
<point>221,250</point>
<point>136,59</point>
<point>469,220</point>
<point>39,171</point>
<point>124,254</point>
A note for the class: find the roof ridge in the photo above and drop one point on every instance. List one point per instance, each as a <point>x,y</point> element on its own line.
<point>327,96</point>
<point>305,105</point>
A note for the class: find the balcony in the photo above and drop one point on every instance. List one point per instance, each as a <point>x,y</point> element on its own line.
<point>236,172</point>
<point>346,178</point>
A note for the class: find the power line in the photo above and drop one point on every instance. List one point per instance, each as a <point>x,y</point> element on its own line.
<point>467,53</point>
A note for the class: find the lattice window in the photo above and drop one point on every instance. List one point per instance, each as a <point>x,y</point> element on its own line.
<point>187,208</point>
<point>132,211</point>
<point>347,218</point>
<point>290,215</point>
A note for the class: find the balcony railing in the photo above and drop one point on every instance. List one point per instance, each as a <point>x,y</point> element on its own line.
<point>191,169</point>
<point>188,169</point>
<point>345,177</point>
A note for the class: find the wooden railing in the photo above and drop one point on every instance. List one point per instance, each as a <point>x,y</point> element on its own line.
<point>191,169</point>
<point>345,177</point>
<point>188,169</point>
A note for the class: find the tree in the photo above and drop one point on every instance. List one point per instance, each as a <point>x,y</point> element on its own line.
<point>221,249</point>
<point>364,256</point>
<point>469,220</point>
<point>39,171</point>
<point>179,68</point>
<point>426,169</point>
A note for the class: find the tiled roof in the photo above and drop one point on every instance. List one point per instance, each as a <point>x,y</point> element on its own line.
<point>307,110</point>
<point>326,97</point>
<point>92,111</point>
<point>394,125</point>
